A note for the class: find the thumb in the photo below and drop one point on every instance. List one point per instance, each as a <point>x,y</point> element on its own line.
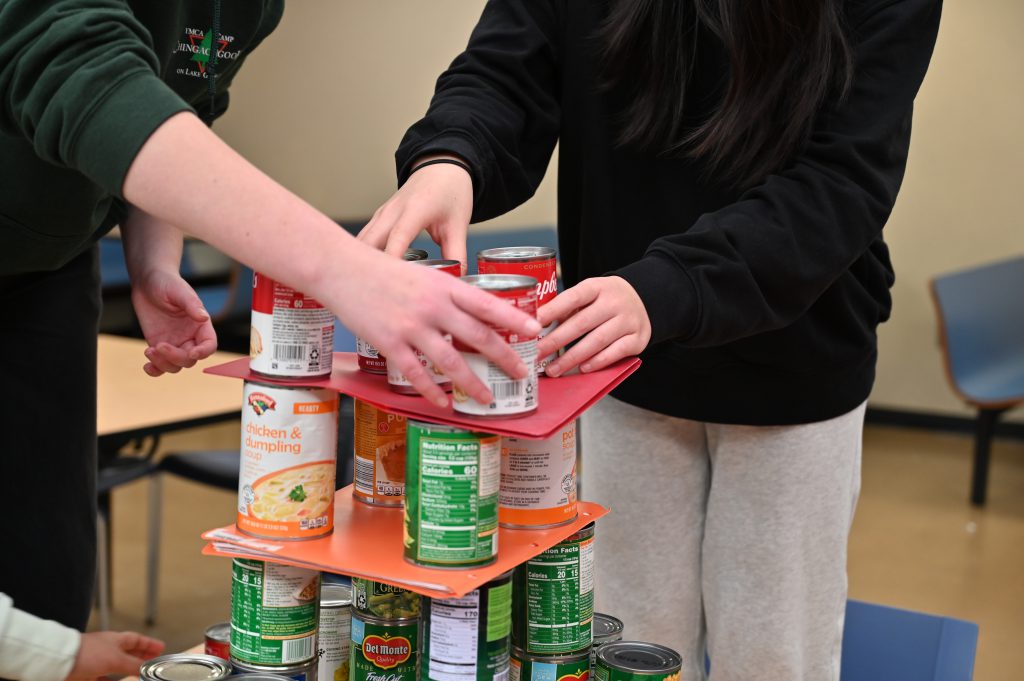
<point>184,297</point>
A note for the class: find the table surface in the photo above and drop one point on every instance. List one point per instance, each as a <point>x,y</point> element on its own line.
<point>130,401</point>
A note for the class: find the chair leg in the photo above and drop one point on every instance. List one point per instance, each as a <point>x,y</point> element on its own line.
<point>103,571</point>
<point>153,550</point>
<point>985,429</point>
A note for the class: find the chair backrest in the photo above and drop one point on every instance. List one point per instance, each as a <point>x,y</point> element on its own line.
<point>981,323</point>
<point>888,644</point>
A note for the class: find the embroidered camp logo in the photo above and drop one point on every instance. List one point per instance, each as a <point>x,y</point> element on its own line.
<point>200,44</point>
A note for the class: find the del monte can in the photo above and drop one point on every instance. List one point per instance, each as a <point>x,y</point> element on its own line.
<point>384,650</point>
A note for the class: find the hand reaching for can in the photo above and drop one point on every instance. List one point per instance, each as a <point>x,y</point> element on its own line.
<point>112,652</point>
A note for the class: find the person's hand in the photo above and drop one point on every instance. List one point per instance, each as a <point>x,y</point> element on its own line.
<point>405,306</point>
<point>438,199</point>
<point>606,314</point>
<point>112,652</point>
<point>174,322</point>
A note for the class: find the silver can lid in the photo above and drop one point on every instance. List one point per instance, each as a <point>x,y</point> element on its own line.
<point>185,667</point>
<point>415,254</point>
<point>639,658</point>
<point>335,595</point>
<point>607,628</point>
<point>438,262</point>
<point>259,677</point>
<point>221,631</point>
<point>516,254</point>
<point>500,282</point>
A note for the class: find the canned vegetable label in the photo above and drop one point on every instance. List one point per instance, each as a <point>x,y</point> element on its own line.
<point>292,335</point>
<point>384,651</point>
<point>539,262</point>
<point>384,601</point>
<point>525,667</point>
<point>637,661</point>
<point>273,612</point>
<point>538,480</point>
<point>467,639</point>
<point>554,597</point>
<point>511,396</point>
<point>334,635</point>
<point>451,504</point>
<point>288,462</point>
<point>379,455</point>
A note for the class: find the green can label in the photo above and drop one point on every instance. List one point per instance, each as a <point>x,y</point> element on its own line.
<point>554,598</point>
<point>451,509</point>
<point>378,599</point>
<point>384,651</point>
<point>274,612</point>
<point>524,668</point>
<point>467,639</point>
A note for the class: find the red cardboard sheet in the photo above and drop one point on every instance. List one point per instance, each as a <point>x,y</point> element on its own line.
<point>367,542</point>
<point>561,399</point>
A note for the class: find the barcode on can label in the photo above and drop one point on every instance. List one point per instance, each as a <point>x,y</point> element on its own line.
<point>507,389</point>
<point>297,650</point>
<point>289,352</point>
<point>364,476</point>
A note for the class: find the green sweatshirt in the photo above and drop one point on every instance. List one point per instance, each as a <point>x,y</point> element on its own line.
<point>83,84</point>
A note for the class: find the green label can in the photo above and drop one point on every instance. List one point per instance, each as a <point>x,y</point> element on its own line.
<point>385,601</point>
<point>527,667</point>
<point>274,612</point>
<point>384,650</point>
<point>467,638</point>
<point>553,611</point>
<point>451,508</point>
<point>636,661</point>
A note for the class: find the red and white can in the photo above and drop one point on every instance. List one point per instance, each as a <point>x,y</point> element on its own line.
<point>292,335</point>
<point>218,640</point>
<point>369,359</point>
<point>396,380</point>
<point>539,262</point>
<point>512,397</point>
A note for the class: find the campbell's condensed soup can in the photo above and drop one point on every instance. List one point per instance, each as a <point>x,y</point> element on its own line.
<point>292,335</point>
<point>538,480</point>
<point>288,461</point>
<point>379,457</point>
<point>539,262</point>
<point>396,380</point>
<point>512,397</point>
<point>369,359</point>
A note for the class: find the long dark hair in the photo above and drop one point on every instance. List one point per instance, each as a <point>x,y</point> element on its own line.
<point>785,58</point>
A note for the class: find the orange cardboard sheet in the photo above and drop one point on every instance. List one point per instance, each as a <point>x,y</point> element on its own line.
<point>561,399</point>
<point>367,542</point>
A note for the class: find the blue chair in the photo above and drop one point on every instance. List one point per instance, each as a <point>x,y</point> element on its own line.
<point>981,330</point>
<point>887,644</point>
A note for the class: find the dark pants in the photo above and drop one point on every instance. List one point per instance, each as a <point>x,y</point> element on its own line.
<point>48,326</point>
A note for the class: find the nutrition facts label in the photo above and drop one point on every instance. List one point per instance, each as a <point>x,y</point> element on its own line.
<point>454,630</point>
<point>560,598</point>
<point>273,612</point>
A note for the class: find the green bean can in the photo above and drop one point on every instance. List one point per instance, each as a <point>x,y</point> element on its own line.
<point>527,667</point>
<point>553,592</point>
<point>637,661</point>
<point>453,477</point>
<point>384,601</point>
<point>384,650</point>
<point>274,612</point>
<point>467,638</point>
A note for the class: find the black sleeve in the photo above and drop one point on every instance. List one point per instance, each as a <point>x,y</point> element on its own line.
<point>760,263</point>
<point>497,106</point>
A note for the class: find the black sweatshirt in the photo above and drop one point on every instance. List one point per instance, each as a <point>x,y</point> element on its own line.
<point>763,303</point>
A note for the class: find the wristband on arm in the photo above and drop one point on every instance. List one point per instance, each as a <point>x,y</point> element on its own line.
<point>452,161</point>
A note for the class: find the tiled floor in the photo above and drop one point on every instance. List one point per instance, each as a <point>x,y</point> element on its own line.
<point>916,543</point>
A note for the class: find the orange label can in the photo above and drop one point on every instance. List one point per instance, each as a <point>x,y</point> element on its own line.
<point>288,461</point>
<point>379,456</point>
<point>538,481</point>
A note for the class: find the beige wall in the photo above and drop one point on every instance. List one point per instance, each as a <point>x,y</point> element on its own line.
<point>322,105</point>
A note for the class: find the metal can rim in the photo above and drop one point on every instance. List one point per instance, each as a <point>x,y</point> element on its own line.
<point>501,283</point>
<point>562,658</point>
<point>150,670</point>
<point>438,262</point>
<point>222,628</point>
<point>516,254</point>
<point>385,621</point>
<point>613,626</point>
<point>673,660</point>
<point>333,595</point>
<point>414,254</point>
<point>282,669</point>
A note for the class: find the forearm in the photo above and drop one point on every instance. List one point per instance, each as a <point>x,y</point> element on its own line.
<point>34,648</point>
<point>150,244</point>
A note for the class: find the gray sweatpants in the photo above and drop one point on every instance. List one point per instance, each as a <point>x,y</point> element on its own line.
<point>729,539</point>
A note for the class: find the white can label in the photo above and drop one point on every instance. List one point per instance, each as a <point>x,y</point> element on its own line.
<point>538,479</point>
<point>334,639</point>
<point>397,379</point>
<point>511,396</point>
<point>292,334</point>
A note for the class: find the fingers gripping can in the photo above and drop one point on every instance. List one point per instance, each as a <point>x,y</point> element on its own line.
<point>539,262</point>
<point>538,480</point>
<point>396,379</point>
<point>370,360</point>
<point>527,667</point>
<point>379,455</point>
<point>637,661</point>
<point>292,335</point>
<point>554,598</point>
<point>451,496</point>
<point>511,396</point>
<point>384,650</point>
<point>274,610</point>
<point>467,639</point>
<point>288,461</point>
<point>334,634</point>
